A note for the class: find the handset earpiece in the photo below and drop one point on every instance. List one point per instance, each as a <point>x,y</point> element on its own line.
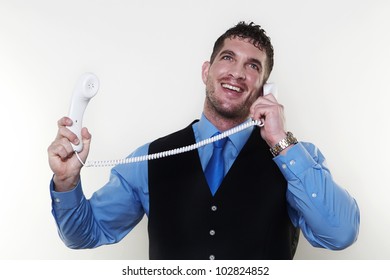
<point>86,87</point>
<point>270,88</point>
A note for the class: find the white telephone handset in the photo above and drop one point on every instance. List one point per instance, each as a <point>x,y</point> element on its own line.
<point>270,88</point>
<point>86,87</point>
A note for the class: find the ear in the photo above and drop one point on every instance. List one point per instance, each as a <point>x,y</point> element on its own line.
<point>205,71</point>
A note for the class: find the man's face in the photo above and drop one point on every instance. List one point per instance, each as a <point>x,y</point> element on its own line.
<point>234,80</point>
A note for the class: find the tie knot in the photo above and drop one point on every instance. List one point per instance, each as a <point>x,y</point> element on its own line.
<point>220,143</point>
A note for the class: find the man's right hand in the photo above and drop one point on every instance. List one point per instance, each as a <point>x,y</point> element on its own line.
<point>62,159</point>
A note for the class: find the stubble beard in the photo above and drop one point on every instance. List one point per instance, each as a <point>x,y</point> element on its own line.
<point>234,112</point>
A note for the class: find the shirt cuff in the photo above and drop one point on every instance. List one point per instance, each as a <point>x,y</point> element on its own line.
<point>294,162</point>
<point>66,200</point>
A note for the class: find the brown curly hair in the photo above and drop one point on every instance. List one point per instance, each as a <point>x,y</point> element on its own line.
<point>257,37</point>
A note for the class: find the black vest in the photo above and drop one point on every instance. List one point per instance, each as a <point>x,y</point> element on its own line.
<point>246,219</point>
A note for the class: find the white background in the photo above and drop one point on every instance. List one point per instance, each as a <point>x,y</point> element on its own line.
<point>331,66</point>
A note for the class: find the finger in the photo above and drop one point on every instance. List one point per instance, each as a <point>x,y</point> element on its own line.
<point>60,148</point>
<point>64,132</point>
<point>64,121</point>
<point>85,134</point>
<point>67,147</point>
<point>270,97</point>
<point>259,112</point>
<point>264,100</point>
<point>258,107</point>
<point>267,112</point>
<point>86,138</point>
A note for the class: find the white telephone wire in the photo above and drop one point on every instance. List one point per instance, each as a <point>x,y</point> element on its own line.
<point>106,163</point>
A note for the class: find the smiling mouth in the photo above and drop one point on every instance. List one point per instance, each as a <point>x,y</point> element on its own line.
<point>231,87</point>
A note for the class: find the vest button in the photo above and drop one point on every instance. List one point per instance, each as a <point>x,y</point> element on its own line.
<point>213,208</point>
<point>212,257</point>
<point>212,232</point>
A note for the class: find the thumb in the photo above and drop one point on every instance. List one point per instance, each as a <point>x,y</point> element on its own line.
<point>86,138</point>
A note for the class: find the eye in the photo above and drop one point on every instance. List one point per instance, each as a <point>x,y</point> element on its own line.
<point>254,66</point>
<point>227,57</point>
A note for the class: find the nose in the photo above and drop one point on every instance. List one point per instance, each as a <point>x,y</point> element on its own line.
<point>237,71</point>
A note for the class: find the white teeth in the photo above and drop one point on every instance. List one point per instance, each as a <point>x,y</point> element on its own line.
<point>231,87</point>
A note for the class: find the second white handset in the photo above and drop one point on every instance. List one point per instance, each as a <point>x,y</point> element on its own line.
<point>270,88</point>
<point>86,87</point>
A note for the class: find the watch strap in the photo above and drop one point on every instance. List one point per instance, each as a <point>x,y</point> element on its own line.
<point>283,144</point>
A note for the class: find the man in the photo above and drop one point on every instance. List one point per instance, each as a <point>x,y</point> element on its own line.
<point>254,213</point>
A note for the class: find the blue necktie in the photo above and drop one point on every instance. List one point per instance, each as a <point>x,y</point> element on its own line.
<point>215,168</point>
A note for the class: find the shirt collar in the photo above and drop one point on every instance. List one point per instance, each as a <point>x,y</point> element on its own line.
<point>206,130</point>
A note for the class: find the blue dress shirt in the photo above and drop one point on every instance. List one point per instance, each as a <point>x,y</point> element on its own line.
<point>326,214</point>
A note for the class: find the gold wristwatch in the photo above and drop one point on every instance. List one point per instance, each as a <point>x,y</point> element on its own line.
<point>283,144</point>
